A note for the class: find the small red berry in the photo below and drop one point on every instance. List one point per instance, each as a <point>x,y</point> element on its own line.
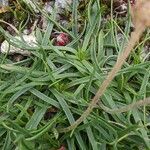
<point>62,39</point>
<point>62,148</point>
<point>132,2</point>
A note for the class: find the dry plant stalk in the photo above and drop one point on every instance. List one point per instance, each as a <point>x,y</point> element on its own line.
<point>140,14</point>
<point>129,107</point>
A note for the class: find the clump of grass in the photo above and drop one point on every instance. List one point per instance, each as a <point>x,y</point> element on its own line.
<point>50,89</point>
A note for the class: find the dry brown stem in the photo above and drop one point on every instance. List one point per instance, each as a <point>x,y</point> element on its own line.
<point>129,107</point>
<point>140,13</point>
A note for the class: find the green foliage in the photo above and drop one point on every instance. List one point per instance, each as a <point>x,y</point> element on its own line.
<point>65,79</point>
